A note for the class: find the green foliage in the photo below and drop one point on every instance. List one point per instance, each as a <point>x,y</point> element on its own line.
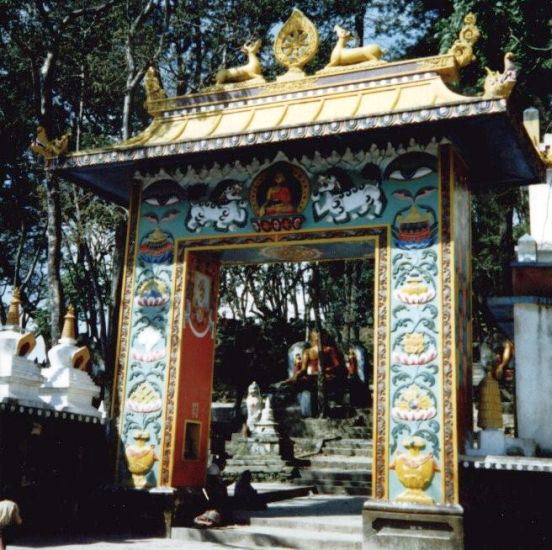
<point>249,350</point>
<point>519,26</point>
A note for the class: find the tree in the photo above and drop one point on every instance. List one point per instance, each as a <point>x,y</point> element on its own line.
<point>501,216</point>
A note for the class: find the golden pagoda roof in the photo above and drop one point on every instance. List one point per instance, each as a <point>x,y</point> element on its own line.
<point>385,95</point>
<point>338,99</point>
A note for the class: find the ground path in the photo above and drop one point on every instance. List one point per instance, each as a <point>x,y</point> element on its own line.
<point>91,543</point>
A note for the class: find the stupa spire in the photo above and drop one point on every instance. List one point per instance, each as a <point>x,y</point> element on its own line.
<point>69,324</point>
<point>13,311</point>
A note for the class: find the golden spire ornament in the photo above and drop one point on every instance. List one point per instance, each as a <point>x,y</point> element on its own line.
<point>69,324</point>
<point>13,311</point>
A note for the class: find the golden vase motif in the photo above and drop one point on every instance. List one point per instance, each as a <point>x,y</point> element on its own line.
<point>140,459</point>
<point>415,471</point>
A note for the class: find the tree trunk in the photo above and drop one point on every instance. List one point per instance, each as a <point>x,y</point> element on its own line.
<point>116,287</point>
<point>127,104</point>
<point>321,397</point>
<point>198,53</point>
<point>55,289</point>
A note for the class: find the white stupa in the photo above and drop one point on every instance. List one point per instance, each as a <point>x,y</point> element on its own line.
<point>20,378</point>
<point>68,387</point>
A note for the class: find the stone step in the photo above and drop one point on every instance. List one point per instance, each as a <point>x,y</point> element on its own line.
<point>252,536</point>
<point>321,522</point>
<point>360,432</point>
<point>347,451</point>
<point>275,492</point>
<point>349,442</point>
<point>312,476</point>
<point>260,473</point>
<point>257,459</point>
<point>341,487</point>
<point>346,489</point>
<point>343,524</point>
<point>340,462</point>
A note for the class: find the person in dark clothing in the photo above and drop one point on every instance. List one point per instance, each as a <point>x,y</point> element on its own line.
<point>245,496</point>
<point>217,501</point>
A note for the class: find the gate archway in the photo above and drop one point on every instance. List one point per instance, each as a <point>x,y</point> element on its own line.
<point>378,151</point>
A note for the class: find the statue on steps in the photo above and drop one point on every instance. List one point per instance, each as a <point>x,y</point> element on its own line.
<point>306,363</point>
<point>490,404</point>
<point>254,403</point>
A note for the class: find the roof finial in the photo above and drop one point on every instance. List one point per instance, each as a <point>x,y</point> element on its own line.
<point>462,49</point>
<point>153,87</point>
<point>13,311</point>
<point>47,148</point>
<point>296,44</point>
<point>69,324</point>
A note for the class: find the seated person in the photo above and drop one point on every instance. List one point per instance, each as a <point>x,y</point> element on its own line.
<point>217,502</point>
<point>245,496</point>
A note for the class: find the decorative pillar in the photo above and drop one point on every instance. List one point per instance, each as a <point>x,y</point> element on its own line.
<point>423,381</point>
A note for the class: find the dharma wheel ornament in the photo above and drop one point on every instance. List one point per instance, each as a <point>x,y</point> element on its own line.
<point>296,45</point>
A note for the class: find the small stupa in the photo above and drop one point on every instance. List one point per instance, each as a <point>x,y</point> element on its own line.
<point>68,386</point>
<point>266,439</point>
<point>20,378</point>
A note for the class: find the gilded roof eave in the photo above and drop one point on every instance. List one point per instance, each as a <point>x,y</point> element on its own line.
<point>282,112</point>
<point>413,92</point>
<point>444,65</point>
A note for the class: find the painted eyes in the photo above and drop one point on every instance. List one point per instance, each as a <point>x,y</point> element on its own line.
<point>415,173</point>
<point>162,201</point>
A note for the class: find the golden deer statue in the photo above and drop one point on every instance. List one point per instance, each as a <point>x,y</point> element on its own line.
<point>341,55</point>
<point>252,70</point>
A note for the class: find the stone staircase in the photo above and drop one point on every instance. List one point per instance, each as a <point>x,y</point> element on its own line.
<point>321,522</point>
<point>343,465</point>
<point>332,455</point>
<point>263,467</point>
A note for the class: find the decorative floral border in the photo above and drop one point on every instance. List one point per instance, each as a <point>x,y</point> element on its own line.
<point>172,366</point>
<point>447,351</point>
<point>379,483</point>
<point>125,314</point>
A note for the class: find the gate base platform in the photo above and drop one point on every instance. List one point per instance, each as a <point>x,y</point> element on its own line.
<point>404,526</point>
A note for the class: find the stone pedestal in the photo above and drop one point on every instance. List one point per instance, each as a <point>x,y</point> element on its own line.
<point>166,502</point>
<point>496,443</point>
<point>403,526</point>
<point>265,453</point>
<point>67,387</point>
<point>20,379</point>
<point>71,390</point>
<point>492,442</point>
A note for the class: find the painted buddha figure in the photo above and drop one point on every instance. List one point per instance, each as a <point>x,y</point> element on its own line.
<point>279,199</point>
<point>306,367</point>
<point>310,358</point>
